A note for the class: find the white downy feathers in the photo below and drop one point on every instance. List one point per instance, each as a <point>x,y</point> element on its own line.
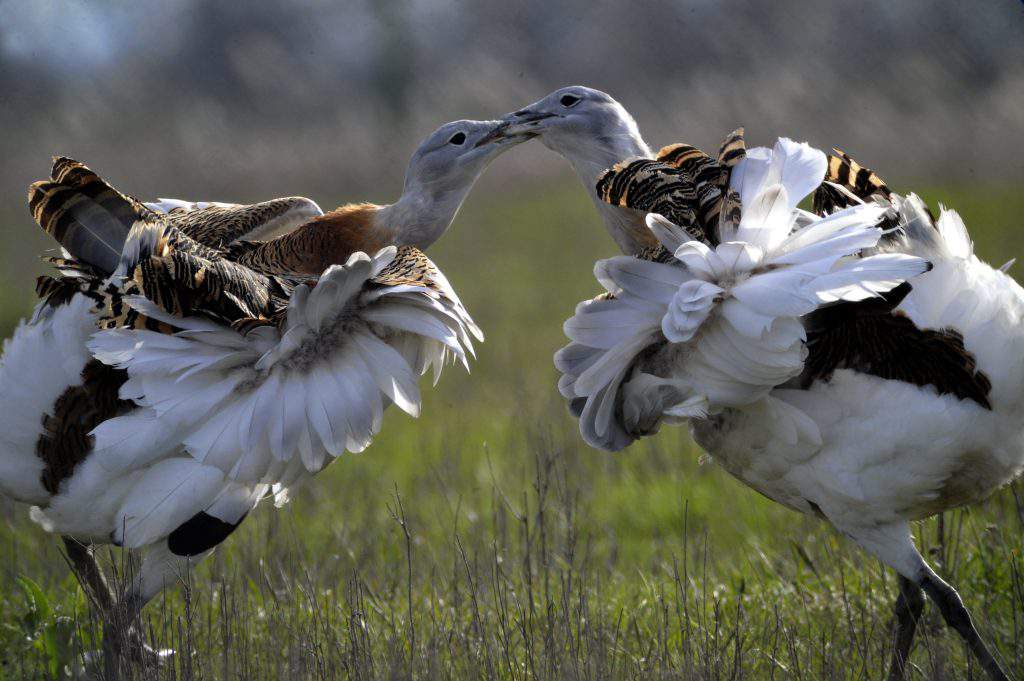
<point>725,320</point>
<point>271,407</point>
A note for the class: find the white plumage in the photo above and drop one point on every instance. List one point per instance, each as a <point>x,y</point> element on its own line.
<point>270,407</point>
<point>221,413</point>
<point>870,443</point>
<point>893,452</point>
<point>194,382</point>
<point>43,357</point>
<point>731,314</point>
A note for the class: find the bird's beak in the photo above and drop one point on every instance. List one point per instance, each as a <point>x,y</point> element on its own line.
<point>520,125</point>
<point>496,134</point>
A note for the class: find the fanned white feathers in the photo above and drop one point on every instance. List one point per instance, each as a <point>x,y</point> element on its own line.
<point>274,405</point>
<point>725,321</point>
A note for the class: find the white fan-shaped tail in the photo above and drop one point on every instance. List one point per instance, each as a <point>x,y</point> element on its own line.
<point>248,406</point>
<point>720,327</point>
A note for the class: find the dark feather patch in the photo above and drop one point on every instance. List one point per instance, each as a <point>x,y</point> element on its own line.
<point>199,534</point>
<point>870,338</point>
<point>65,441</point>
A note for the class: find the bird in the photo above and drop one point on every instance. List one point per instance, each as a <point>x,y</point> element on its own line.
<point>899,399</point>
<point>189,359</point>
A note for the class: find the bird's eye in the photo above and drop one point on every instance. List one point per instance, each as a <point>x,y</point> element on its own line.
<point>569,100</point>
<point>458,138</point>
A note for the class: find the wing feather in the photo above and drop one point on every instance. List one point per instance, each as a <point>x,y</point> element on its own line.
<point>719,324</point>
<point>255,404</point>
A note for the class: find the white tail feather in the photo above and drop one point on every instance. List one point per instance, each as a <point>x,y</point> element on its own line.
<point>248,405</point>
<point>721,327</point>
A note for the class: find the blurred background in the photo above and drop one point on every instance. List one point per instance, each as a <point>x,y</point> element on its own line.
<point>241,102</point>
<point>211,99</point>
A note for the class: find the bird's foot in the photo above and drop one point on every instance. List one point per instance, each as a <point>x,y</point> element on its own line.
<point>96,663</point>
<point>128,647</point>
<point>143,655</point>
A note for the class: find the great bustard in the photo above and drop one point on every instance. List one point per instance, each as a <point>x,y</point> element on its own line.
<point>176,372</point>
<point>900,403</point>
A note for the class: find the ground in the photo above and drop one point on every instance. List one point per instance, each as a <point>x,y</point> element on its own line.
<point>520,552</point>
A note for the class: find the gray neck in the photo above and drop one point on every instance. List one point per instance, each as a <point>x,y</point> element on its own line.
<point>592,157</point>
<point>422,214</point>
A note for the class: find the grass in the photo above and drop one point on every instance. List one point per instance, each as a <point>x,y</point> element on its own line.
<point>485,541</point>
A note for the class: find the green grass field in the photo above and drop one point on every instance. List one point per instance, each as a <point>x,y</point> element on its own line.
<point>484,540</point>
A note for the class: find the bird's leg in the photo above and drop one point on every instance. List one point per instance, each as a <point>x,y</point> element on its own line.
<point>121,637</point>
<point>893,544</point>
<point>123,640</point>
<point>909,606</point>
<point>89,574</point>
<point>957,617</point>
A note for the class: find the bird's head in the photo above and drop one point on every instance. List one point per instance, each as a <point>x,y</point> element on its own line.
<point>593,132</point>
<point>454,155</point>
<point>586,126</point>
<point>441,172</point>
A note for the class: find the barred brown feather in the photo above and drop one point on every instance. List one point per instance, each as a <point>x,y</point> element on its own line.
<point>654,187</point>
<point>183,284</point>
<point>683,184</point>
<point>323,241</point>
<point>218,226</point>
<point>87,216</point>
<point>656,254</point>
<point>732,151</point>
<point>191,262</point>
<point>847,183</point>
<point>71,173</point>
<point>412,267</point>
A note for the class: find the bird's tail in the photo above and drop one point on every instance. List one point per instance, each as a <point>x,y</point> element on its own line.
<point>87,216</point>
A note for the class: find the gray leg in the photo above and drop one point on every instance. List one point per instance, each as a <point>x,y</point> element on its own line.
<point>957,617</point>
<point>907,612</point>
<point>893,545</point>
<point>89,574</point>
<point>121,638</point>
